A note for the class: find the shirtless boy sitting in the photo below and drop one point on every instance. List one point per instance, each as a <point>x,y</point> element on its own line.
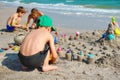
<point>14,21</point>
<point>38,45</point>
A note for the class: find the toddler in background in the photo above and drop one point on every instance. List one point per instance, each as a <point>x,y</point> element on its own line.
<point>13,21</point>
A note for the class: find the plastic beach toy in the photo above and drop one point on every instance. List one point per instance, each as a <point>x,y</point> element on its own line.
<point>111,36</point>
<point>104,35</point>
<point>77,33</point>
<point>117,31</point>
<point>81,53</point>
<point>80,56</point>
<point>69,55</point>
<point>71,37</point>
<point>50,58</point>
<point>68,51</point>
<point>113,19</point>
<point>90,55</point>
<point>1,50</point>
<point>55,40</point>
<point>91,58</point>
<point>11,45</point>
<point>63,35</point>
<point>56,33</point>
<point>59,49</point>
<point>4,48</point>
<point>15,48</point>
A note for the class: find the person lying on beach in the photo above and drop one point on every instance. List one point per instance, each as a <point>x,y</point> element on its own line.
<point>113,30</point>
<point>13,21</point>
<point>30,17</point>
<point>109,33</point>
<point>38,46</point>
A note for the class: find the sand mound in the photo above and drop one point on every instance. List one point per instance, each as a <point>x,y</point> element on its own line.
<point>106,52</point>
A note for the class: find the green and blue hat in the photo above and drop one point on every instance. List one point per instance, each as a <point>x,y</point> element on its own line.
<point>45,21</point>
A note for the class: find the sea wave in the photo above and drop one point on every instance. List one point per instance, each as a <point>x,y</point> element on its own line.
<point>67,9</point>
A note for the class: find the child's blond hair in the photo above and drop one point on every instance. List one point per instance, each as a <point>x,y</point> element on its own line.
<point>34,13</point>
<point>34,9</point>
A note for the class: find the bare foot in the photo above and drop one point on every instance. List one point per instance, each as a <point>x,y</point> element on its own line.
<point>49,68</point>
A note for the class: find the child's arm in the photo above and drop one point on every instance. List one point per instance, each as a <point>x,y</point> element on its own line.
<point>11,20</point>
<point>41,13</point>
<point>117,25</point>
<point>28,20</point>
<point>53,50</point>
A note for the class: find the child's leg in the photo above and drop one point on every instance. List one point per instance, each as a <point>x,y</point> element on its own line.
<point>46,66</point>
<point>100,39</point>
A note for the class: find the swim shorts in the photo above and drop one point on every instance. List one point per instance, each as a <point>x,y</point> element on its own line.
<point>36,60</point>
<point>9,28</point>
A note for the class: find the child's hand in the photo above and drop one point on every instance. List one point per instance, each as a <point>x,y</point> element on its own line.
<point>25,27</point>
<point>33,25</point>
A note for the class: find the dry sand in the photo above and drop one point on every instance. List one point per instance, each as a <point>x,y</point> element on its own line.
<point>107,56</point>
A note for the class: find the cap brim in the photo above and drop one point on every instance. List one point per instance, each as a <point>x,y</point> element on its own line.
<point>53,28</point>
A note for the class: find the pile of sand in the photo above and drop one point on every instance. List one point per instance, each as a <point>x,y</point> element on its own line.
<point>105,67</point>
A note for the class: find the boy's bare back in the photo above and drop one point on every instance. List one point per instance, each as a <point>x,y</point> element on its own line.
<point>37,39</point>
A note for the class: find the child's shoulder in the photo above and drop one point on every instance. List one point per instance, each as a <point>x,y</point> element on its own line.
<point>13,15</point>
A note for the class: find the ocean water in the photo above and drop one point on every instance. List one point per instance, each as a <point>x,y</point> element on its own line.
<point>77,7</point>
<point>87,3</point>
<point>74,10</point>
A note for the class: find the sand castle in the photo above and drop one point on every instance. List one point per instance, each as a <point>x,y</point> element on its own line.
<point>87,44</point>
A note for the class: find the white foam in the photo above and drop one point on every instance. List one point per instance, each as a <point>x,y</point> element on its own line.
<point>67,9</point>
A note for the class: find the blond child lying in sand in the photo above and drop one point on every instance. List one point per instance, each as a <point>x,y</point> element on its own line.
<point>38,45</point>
<point>112,32</point>
<point>14,21</point>
<point>109,34</point>
<point>32,17</point>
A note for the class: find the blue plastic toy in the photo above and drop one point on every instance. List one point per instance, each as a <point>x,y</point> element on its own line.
<point>90,55</point>
<point>68,51</point>
<point>1,50</point>
<point>55,40</point>
<point>104,35</point>
<point>81,53</point>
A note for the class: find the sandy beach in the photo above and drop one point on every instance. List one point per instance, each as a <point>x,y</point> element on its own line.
<point>106,65</point>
